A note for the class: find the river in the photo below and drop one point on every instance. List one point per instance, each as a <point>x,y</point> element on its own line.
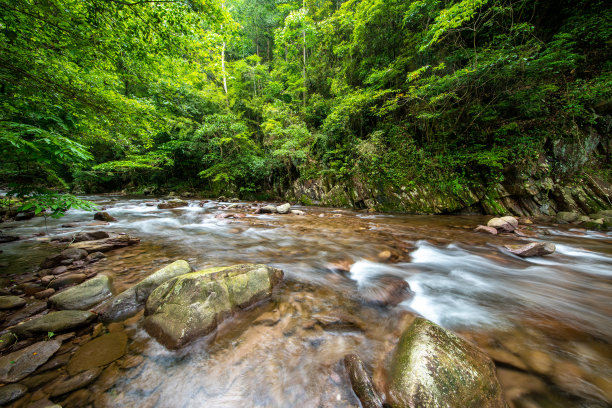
<point>546,321</point>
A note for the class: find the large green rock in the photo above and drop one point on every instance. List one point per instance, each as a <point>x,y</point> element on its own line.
<point>129,302</point>
<point>192,305</point>
<point>432,367</point>
<point>83,296</point>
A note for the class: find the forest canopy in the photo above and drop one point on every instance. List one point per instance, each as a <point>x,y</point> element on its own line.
<point>249,97</point>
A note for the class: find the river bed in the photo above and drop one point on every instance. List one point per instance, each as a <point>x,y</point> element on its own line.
<point>546,321</point>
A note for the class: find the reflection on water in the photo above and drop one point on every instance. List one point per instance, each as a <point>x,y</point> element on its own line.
<point>547,322</point>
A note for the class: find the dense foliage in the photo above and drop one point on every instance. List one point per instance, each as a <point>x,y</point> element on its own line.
<point>246,97</point>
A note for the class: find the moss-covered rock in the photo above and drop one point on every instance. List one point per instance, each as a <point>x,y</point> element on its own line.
<point>434,368</point>
<point>192,305</point>
<point>129,302</point>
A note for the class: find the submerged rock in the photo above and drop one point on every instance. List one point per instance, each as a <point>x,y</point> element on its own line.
<point>386,290</point>
<point>192,305</point>
<point>83,296</point>
<point>66,384</point>
<point>98,352</point>
<point>17,365</point>
<point>66,257</point>
<point>11,302</point>
<point>104,216</point>
<point>53,322</point>
<point>432,367</point>
<point>106,244</point>
<point>129,302</point>
<point>361,382</point>
<point>11,392</point>
<point>532,249</point>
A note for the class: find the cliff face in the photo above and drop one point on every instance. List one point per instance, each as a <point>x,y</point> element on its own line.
<point>556,182</point>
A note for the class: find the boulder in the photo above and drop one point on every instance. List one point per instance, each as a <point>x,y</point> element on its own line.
<point>284,208</point>
<point>129,302</point>
<point>532,249</point>
<point>11,392</point>
<point>11,302</point>
<point>565,217</point>
<point>95,256</point>
<point>192,305</point>
<point>361,382</point>
<point>67,280</point>
<point>501,225</point>
<point>175,203</point>
<point>104,216</point>
<point>268,209</point>
<point>83,296</point>
<point>106,244</point>
<point>510,220</point>
<point>595,224</point>
<point>386,290</point>
<point>488,230</point>
<point>432,367</point>
<point>19,364</point>
<point>98,352</point>
<point>53,322</point>
<point>89,236</point>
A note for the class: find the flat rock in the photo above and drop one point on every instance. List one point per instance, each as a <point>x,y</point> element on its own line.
<point>19,364</point>
<point>432,367</point>
<point>11,392</point>
<point>129,302</point>
<point>83,296</point>
<point>67,280</point>
<point>90,236</point>
<point>53,322</point>
<point>98,352</point>
<point>488,230</point>
<point>66,384</point>
<point>31,308</point>
<point>11,302</point>
<point>106,244</point>
<point>66,257</point>
<point>532,249</point>
<point>192,305</point>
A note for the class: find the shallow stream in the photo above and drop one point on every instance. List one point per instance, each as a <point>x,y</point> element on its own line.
<point>546,321</point>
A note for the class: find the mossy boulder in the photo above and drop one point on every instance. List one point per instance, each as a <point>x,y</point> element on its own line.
<point>192,305</point>
<point>83,296</point>
<point>432,367</point>
<point>129,302</point>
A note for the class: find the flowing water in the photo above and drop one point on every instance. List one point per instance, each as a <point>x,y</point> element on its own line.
<point>546,321</point>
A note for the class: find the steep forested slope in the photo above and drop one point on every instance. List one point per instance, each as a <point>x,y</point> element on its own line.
<point>421,106</point>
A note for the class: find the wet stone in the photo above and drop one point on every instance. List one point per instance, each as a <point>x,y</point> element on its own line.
<point>35,381</point>
<point>32,308</point>
<point>83,296</point>
<point>6,340</point>
<point>77,399</point>
<point>54,322</point>
<point>11,302</point>
<point>67,280</point>
<point>532,249</point>
<point>19,364</point>
<point>44,294</point>
<point>98,352</point>
<point>361,382</point>
<point>66,384</point>
<point>11,392</point>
